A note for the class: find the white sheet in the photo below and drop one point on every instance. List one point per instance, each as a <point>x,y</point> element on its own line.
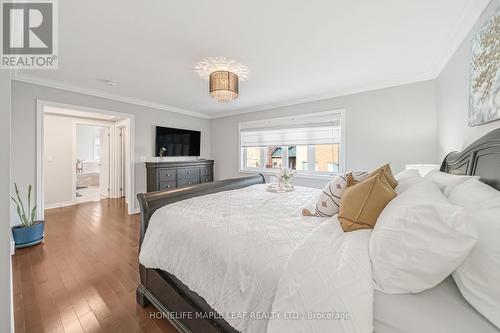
<point>230,247</point>
<point>441,309</point>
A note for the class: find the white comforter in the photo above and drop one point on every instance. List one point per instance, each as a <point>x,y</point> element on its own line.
<point>327,283</point>
<point>256,260</point>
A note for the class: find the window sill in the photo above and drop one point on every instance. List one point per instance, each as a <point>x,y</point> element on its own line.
<point>297,175</point>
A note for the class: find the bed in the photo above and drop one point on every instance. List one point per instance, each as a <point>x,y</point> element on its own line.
<point>230,210</point>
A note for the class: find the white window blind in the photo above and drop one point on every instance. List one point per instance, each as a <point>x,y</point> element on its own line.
<point>303,130</point>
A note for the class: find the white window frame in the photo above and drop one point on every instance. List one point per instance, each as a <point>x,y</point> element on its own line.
<point>300,174</point>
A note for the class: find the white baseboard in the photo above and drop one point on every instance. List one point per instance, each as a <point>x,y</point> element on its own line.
<point>60,204</point>
<point>136,211</point>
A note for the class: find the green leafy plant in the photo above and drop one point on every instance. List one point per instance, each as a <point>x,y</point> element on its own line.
<point>26,219</point>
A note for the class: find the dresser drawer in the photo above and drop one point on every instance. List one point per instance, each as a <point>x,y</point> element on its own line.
<point>188,173</point>
<point>167,175</point>
<point>167,185</point>
<point>187,181</point>
<point>205,171</point>
<point>207,178</point>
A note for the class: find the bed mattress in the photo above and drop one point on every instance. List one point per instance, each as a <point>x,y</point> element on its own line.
<point>441,309</point>
<point>250,251</point>
<point>231,247</point>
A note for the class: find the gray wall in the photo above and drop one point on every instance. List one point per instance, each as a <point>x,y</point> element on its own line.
<point>24,96</point>
<point>453,97</point>
<point>5,266</point>
<point>396,125</point>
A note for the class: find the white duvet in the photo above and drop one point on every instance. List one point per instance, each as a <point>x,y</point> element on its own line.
<point>263,266</point>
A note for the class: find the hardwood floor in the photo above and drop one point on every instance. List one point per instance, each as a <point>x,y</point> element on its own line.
<point>83,278</point>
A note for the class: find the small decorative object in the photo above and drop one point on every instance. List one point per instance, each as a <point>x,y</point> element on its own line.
<point>273,181</point>
<point>29,232</point>
<point>223,75</point>
<point>277,189</point>
<point>286,176</point>
<point>484,98</point>
<point>79,166</point>
<point>282,182</point>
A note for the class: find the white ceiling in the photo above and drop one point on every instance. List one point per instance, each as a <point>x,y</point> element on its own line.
<point>296,50</point>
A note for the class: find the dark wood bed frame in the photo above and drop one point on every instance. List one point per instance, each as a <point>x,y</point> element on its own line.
<point>189,312</point>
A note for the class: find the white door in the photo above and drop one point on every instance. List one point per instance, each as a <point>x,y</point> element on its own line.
<point>104,177</point>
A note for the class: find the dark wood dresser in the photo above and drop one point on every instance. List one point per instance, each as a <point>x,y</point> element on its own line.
<point>169,175</point>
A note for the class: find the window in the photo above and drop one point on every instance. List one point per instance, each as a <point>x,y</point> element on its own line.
<point>310,144</point>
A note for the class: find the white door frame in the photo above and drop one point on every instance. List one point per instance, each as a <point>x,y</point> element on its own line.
<point>130,177</point>
<point>120,159</point>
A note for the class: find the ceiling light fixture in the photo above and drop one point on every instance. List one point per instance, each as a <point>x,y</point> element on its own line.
<point>223,86</point>
<point>223,75</point>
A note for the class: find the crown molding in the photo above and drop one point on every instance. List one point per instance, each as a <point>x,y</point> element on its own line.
<point>470,16</point>
<point>338,93</point>
<point>102,94</point>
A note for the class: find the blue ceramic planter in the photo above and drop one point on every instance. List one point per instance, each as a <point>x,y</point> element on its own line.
<point>28,236</point>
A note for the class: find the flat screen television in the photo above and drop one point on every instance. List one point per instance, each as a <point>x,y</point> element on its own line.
<point>177,142</point>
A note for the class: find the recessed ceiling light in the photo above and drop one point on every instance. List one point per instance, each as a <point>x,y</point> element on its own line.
<point>110,83</point>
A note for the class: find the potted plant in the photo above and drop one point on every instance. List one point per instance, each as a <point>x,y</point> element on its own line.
<point>29,232</point>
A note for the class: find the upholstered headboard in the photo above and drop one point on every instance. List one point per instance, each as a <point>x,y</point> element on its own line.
<point>481,158</point>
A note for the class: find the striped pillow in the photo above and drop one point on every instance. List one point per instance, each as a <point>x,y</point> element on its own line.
<point>329,201</point>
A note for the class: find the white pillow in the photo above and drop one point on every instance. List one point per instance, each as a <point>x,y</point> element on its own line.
<point>446,181</point>
<point>329,201</point>
<point>475,195</point>
<point>419,239</point>
<point>406,179</point>
<point>478,277</point>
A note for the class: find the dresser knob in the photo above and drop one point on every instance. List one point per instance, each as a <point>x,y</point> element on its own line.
<point>189,183</point>
<point>168,175</point>
<point>168,186</point>
<point>206,179</point>
<point>189,172</point>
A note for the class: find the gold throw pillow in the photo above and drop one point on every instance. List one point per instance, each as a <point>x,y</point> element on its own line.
<point>386,169</point>
<point>362,203</point>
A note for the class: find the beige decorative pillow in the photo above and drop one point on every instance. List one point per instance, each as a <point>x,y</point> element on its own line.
<point>386,169</point>
<point>362,203</point>
<point>329,200</point>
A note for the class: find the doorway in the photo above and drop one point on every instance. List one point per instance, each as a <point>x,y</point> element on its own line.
<point>92,163</point>
<point>82,155</point>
